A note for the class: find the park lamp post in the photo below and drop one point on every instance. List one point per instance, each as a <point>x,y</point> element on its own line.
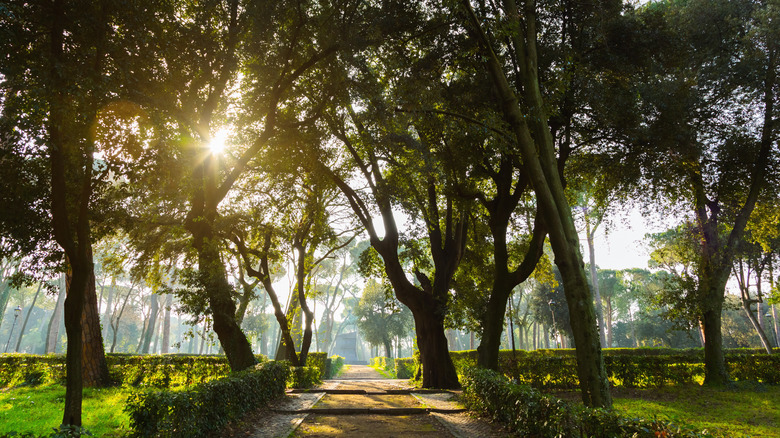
<point>17,312</point>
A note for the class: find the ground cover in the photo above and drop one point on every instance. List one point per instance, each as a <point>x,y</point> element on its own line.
<point>39,409</point>
<point>740,410</point>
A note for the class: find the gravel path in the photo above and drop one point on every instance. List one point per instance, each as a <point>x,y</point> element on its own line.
<point>328,418</point>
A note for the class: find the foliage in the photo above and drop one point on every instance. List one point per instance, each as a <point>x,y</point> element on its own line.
<point>160,371</point>
<point>527,412</point>
<point>204,409</point>
<point>304,377</point>
<point>405,368</point>
<point>626,367</point>
<point>336,365</point>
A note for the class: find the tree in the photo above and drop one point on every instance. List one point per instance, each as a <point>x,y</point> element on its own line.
<point>535,142</point>
<point>380,317</point>
<point>697,141</point>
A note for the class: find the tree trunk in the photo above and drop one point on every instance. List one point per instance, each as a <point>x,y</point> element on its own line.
<point>166,335</point>
<point>27,318</point>
<point>756,325</point>
<point>388,347</point>
<point>438,369</point>
<point>109,307</point>
<point>540,165</point>
<point>151,324</point>
<point>594,276</point>
<point>53,332</point>
<point>93,356</point>
<point>223,308</point>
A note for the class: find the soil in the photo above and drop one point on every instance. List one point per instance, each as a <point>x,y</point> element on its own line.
<point>283,416</point>
<point>375,426</point>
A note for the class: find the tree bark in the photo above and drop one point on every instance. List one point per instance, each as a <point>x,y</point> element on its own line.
<point>540,165</point>
<point>94,366</point>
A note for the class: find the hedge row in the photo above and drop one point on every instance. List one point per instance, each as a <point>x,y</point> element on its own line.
<point>625,367</point>
<point>205,408</point>
<point>527,412</point>
<point>161,371</point>
<point>405,368</point>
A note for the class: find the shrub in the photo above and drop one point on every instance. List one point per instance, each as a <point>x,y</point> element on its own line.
<point>207,407</point>
<point>405,368</point>
<point>527,412</point>
<point>160,371</point>
<point>626,367</point>
<point>336,364</point>
<point>304,377</point>
<point>320,361</point>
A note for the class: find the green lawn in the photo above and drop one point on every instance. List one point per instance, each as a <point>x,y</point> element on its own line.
<point>39,410</point>
<point>741,410</point>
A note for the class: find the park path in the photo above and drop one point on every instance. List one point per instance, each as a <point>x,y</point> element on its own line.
<point>362,403</point>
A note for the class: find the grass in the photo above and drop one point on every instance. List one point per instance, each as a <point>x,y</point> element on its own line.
<point>39,410</point>
<point>739,410</point>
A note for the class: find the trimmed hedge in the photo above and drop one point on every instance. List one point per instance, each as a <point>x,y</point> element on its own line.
<point>527,412</point>
<point>405,368</point>
<point>336,364</point>
<point>304,377</point>
<point>205,408</point>
<point>633,368</point>
<point>160,371</point>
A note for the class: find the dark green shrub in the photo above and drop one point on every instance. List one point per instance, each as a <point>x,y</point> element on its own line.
<point>205,408</point>
<point>527,412</point>
<point>304,377</point>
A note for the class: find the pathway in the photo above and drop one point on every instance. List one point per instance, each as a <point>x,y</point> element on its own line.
<point>362,403</point>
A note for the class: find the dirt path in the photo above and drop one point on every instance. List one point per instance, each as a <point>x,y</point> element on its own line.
<point>361,403</point>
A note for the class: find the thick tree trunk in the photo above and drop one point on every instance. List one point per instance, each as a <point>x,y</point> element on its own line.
<point>223,308</point>
<point>93,356</point>
<point>437,368</point>
<point>492,327</point>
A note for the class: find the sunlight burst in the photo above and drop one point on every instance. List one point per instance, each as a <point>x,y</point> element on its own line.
<point>217,144</point>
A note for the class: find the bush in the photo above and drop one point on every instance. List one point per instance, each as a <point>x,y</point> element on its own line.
<point>320,361</point>
<point>304,377</point>
<point>405,368</point>
<point>626,367</point>
<point>159,371</point>
<point>207,407</point>
<point>527,412</point>
<point>336,364</point>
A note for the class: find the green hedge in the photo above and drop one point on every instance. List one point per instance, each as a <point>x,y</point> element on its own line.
<point>304,377</point>
<point>527,412</point>
<point>405,368</point>
<point>336,364</point>
<point>160,371</point>
<point>633,368</point>
<point>205,408</point>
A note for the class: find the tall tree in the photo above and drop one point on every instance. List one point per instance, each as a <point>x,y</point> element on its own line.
<point>525,110</point>
<point>701,138</point>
